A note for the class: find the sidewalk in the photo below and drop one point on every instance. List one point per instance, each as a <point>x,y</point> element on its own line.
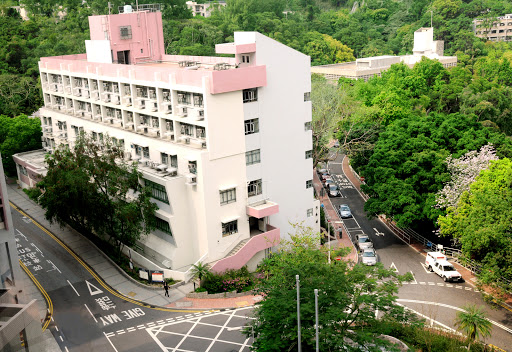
<point>111,273</point>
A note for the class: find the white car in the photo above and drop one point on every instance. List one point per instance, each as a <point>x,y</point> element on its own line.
<point>438,263</point>
<point>369,257</point>
<point>363,242</point>
<point>345,211</point>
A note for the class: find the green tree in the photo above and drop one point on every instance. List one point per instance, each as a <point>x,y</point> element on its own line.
<point>18,134</point>
<point>200,271</point>
<point>324,49</point>
<point>473,323</point>
<point>92,187</point>
<point>481,223</point>
<point>348,299</point>
<point>407,167</point>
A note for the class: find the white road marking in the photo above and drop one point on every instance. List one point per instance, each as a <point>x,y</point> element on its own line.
<point>423,283</point>
<point>393,266</point>
<point>107,337</point>
<point>458,287</point>
<point>66,349</point>
<point>432,283</point>
<point>73,287</point>
<point>90,313</point>
<point>54,266</point>
<point>377,232</point>
<point>37,249</point>
<point>119,332</point>
<point>467,288</point>
<point>452,307</point>
<point>131,329</point>
<point>22,235</point>
<point>56,328</point>
<point>432,321</point>
<point>93,290</point>
<point>415,282</point>
<point>425,268</point>
<point>61,339</point>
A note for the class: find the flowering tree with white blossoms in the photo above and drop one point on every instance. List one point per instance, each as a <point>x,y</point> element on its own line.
<point>464,171</point>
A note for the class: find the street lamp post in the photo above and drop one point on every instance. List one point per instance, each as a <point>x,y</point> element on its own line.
<point>298,311</point>
<point>316,319</point>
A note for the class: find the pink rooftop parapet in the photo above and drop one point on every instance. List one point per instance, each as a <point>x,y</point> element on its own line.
<point>232,48</point>
<point>221,81</point>
<point>257,243</point>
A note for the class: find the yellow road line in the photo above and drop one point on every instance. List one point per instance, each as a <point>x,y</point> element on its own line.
<point>100,280</point>
<point>48,300</point>
<point>497,348</point>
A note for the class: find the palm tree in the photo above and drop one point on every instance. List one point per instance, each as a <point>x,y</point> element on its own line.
<point>473,323</point>
<point>200,271</point>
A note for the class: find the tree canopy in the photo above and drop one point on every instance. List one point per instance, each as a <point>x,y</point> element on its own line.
<point>91,186</point>
<point>348,299</point>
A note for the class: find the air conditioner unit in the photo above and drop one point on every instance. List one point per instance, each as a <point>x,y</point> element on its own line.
<point>127,90</point>
<point>115,99</point>
<point>186,140</point>
<point>152,94</point>
<point>191,179</point>
<point>85,94</point>
<point>154,108</point>
<point>166,95</point>
<point>139,92</point>
<point>145,130</point>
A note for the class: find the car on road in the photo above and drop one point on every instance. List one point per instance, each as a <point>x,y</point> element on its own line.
<point>438,263</point>
<point>325,176</point>
<point>334,191</point>
<point>363,242</point>
<point>322,171</point>
<point>328,182</point>
<point>369,257</point>
<point>345,211</point>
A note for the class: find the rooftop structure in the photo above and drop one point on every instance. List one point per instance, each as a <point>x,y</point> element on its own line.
<point>495,29</point>
<point>365,68</point>
<point>225,143</point>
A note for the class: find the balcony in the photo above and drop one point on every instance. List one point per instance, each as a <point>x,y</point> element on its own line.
<point>262,209</point>
<point>259,241</point>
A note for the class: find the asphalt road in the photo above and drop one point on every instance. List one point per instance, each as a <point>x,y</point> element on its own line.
<point>427,294</point>
<point>88,315</point>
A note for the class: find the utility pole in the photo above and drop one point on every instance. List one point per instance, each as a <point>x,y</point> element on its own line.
<point>316,319</point>
<point>298,311</point>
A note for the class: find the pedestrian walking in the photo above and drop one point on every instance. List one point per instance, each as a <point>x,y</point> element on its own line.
<point>166,288</point>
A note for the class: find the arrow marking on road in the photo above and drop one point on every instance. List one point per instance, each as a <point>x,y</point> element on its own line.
<point>393,266</point>
<point>93,289</point>
<point>377,233</point>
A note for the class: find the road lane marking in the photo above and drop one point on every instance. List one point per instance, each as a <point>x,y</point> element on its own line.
<point>54,266</point>
<point>66,349</point>
<point>73,287</point>
<point>22,235</point>
<point>393,266</point>
<point>425,268</point>
<point>423,283</point>
<point>37,249</point>
<point>432,321</point>
<point>111,344</point>
<point>432,283</point>
<point>92,272</point>
<point>56,328</point>
<point>90,313</point>
<point>415,282</point>
<point>451,307</point>
<point>61,338</point>
<point>131,329</point>
<point>49,302</point>
<point>378,233</point>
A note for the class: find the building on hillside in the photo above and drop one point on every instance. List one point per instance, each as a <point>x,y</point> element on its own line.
<point>365,68</point>
<point>498,29</point>
<point>20,325</point>
<point>225,143</point>
<point>204,9</point>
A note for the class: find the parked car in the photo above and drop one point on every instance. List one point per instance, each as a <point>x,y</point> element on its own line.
<point>437,263</point>
<point>322,171</point>
<point>369,257</point>
<point>334,191</point>
<point>345,211</point>
<point>325,176</point>
<point>363,242</point>
<point>328,182</point>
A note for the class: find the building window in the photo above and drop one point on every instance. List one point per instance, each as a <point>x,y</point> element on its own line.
<point>174,161</point>
<point>157,191</point>
<point>245,59</point>
<point>307,126</point>
<point>252,157</point>
<point>254,188</point>
<point>310,212</point>
<point>165,158</point>
<point>145,152</point>
<point>187,129</point>
<point>198,100</point>
<point>307,96</point>
<point>229,228</point>
<point>200,132</point>
<point>250,95</point>
<point>252,126</point>
<point>23,170</point>
<point>309,184</point>
<point>227,196</point>
<point>163,225</point>
<point>309,154</point>
<point>192,167</point>
<point>125,32</point>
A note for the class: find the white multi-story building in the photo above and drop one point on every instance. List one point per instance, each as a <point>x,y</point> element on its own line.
<point>204,9</point>
<point>496,29</point>
<point>224,142</point>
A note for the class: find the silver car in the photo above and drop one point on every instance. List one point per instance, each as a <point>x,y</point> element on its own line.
<point>345,211</point>
<point>369,257</point>
<point>363,242</point>
<point>334,191</point>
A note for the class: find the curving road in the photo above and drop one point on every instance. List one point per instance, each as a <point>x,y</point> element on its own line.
<point>86,314</point>
<point>427,294</point>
